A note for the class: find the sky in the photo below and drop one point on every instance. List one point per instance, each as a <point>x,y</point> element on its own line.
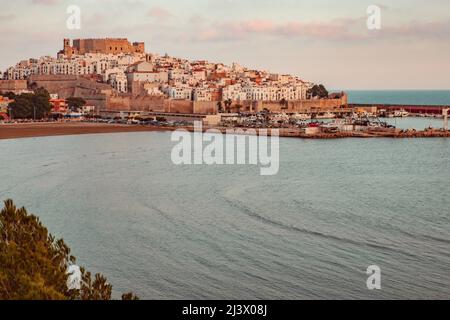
<point>324,41</point>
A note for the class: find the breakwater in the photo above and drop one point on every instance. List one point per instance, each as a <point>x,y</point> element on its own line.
<point>430,109</point>
<point>300,133</point>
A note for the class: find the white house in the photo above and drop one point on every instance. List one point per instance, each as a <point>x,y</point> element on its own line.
<point>179,92</point>
<point>119,82</point>
<point>202,94</point>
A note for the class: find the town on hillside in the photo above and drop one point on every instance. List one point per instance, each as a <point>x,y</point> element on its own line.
<point>122,65</point>
<point>118,81</point>
<point>116,75</point>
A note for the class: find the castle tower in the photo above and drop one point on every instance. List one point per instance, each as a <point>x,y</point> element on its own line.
<point>67,49</point>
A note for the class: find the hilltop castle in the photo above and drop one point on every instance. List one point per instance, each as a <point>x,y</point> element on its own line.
<point>105,46</point>
<point>114,74</point>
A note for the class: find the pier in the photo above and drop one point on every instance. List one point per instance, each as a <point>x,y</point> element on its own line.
<point>424,109</point>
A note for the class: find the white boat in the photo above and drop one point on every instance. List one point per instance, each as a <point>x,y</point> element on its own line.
<point>326,115</point>
<point>301,116</point>
<point>401,113</point>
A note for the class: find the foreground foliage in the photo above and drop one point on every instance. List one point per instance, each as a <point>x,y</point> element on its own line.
<point>33,264</point>
<point>34,105</point>
<point>318,91</point>
<point>75,103</point>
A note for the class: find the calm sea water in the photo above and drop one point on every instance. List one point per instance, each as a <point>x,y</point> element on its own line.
<point>420,97</point>
<point>225,232</point>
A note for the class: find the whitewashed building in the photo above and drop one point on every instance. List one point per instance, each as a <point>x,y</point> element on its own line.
<point>234,92</point>
<point>179,92</point>
<point>202,94</point>
<point>119,82</point>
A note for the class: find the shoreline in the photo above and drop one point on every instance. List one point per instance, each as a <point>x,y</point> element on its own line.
<point>48,129</point>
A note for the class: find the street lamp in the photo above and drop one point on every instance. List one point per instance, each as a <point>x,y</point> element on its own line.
<point>445,114</point>
<point>10,112</point>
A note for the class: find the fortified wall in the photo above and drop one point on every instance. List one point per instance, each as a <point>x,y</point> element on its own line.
<point>161,104</point>
<point>105,98</point>
<point>105,46</point>
<point>304,106</point>
<point>294,106</point>
<point>127,102</point>
<point>68,86</point>
<point>74,86</point>
<point>15,86</point>
<point>158,104</point>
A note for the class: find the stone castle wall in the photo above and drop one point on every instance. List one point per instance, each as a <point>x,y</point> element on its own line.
<point>294,106</point>
<point>158,104</point>
<point>304,106</point>
<point>74,86</point>
<point>206,107</point>
<point>127,102</point>
<point>15,86</point>
<point>67,86</point>
<point>106,46</point>
<point>178,106</point>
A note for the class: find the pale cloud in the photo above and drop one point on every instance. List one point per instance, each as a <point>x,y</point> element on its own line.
<point>46,2</point>
<point>342,29</point>
<point>339,29</point>
<point>7,17</point>
<point>421,30</point>
<point>159,13</point>
<point>197,19</point>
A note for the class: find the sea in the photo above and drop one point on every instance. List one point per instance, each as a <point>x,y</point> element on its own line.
<point>406,97</point>
<point>166,231</point>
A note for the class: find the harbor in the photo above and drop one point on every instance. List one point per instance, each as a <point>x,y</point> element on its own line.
<point>317,129</point>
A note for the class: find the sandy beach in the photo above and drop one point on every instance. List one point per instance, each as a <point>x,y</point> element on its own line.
<point>29,130</point>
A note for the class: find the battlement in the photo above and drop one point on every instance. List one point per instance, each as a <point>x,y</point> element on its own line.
<point>105,46</point>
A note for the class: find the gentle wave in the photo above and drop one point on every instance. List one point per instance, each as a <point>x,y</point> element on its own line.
<point>250,213</point>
